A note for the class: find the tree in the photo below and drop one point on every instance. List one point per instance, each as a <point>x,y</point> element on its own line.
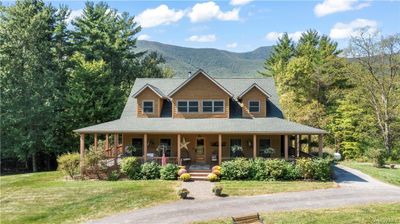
<point>379,78</point>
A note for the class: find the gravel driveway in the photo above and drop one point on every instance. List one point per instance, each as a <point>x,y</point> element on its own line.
<point>355,188</point>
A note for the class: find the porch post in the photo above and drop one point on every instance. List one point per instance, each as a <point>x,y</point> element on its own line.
<point>320,140</point>
<point>298,145</point>
<point>107,144</point>
<point>115,148</point>
<point>95,141</point>
<point>286,147</point>
<point>254,146</point>
<point>309,143</point>
<point>82,153</point>
<point>179,149</point>
<point>123,143</point>
<point>219,149</point>
<point>145,147</point>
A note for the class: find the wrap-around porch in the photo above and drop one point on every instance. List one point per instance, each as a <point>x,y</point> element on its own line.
<point>212,149</point>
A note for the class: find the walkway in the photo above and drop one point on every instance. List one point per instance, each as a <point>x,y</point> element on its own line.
<point>355,188</point>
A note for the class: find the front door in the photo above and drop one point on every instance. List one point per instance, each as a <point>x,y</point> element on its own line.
<point>200,150</point>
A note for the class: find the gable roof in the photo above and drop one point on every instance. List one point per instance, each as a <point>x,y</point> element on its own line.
<point>234,85</point>
<point>152,88</point>
<point>254,85</point>
<point>200,71</point>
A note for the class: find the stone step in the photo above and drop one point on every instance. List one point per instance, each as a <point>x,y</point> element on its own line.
<point>199,171</point>
<point>198,174</point>
<point>199,178</point>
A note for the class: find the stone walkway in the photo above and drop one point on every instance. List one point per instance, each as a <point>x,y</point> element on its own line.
<point>355,188</point>
<point>199,190</point>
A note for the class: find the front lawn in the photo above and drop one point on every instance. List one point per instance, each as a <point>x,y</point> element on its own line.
<point>241,188</point>
<point>388,175</point>
<point>374,213</point>
<point>48,198</point>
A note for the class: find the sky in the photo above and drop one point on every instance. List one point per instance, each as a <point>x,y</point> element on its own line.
<point>244,25</point>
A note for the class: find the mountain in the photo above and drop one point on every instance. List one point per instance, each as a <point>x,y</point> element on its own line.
<point>217,63</point>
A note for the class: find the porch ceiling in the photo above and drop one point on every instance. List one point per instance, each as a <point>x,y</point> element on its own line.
<point>210,126</point>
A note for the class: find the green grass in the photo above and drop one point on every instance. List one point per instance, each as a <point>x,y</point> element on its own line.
<point>374,213</point>
<point>388,175</point>
<point>48,198</point>
<point>239,188</point>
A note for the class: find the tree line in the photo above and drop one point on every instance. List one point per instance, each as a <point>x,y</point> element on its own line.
<point>59,74</point>
<point>354,93</point>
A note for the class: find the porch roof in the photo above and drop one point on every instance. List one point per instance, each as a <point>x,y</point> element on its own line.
<point>267,125</point>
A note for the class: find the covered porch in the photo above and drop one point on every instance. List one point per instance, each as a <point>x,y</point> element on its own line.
<point>203,148</point>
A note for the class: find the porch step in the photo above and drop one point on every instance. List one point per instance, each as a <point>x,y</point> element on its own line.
<point>199,174</point>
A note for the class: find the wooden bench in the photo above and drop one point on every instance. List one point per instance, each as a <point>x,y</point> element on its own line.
<point>250,219</point>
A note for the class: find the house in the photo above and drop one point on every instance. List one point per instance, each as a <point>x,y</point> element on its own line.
<point>204,120</point>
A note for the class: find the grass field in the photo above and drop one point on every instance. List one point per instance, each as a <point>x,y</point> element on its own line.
<point>241,188</point>
<point>374,213</point>
<point>48,198</point>
<point>388,175</point>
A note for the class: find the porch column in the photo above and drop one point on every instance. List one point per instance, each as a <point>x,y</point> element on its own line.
<point>107,144</point>
<point>298,145</point>
<point>145,147</point>
<point>178,143</point>
<point>123,143</point>
<point>254,146</point>
<point>286,147</point>
<point>309,143</point>
<point>82,153</point>
<point>219,149</point>
<point>95,141</point>
<point>115,148</point>
<point>320,140</point>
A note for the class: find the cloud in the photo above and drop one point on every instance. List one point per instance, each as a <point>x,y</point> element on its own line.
<point>273,36</point>
<point>240,2</point>
<point>332,6</point>
<point>347,30</point>
<point>209,10</point>
<point>144,37</point>
<point>74,14</point>
<point>202,38</point>
<point>232,45</point>
<point>161,15</point>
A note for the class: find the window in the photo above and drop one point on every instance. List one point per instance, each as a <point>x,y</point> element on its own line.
<point>190,106</point>
<point>165,143</point>
<point>148,106</point>
<point>254,106</point>
<point>213,106</point>
<point>236,149</point>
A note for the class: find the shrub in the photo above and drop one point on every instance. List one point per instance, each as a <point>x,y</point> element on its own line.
<point>182,171</point>
<point>69,164</point>
<point>237,169</point>
<point>95,162</point>
<point>322,169</point>
<point>217,190</point>
<point>182,193</point>
<point>113,176</point>
<point>150,170</point>
<point>212,177</point>
<point>216,168</point>
<point>259,169</point>
<point>292,172</point>
<point>130,166</point>
<point>276,168</point>
<point>378,156</point>
<point>185,177</point>
<point>169,172</point>
<point>305,167</point>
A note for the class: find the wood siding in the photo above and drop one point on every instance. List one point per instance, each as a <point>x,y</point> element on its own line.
<point>200,88</point>
<point>148,94</point>
<point>254,95</point>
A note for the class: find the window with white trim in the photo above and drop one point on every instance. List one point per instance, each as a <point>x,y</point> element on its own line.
<point>188,106</point>
<point>148,106</point>
<point>254,106</point>
<point>213,106</point>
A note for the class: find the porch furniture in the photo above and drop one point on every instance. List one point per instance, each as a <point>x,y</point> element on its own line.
<point>250,219</point>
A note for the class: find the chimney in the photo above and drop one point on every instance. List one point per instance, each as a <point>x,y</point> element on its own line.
<point>189,74</point>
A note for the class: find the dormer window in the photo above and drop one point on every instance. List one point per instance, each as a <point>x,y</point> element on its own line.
<point>254,106</point>
<point>213,106</point>
<point>148,106</point>
<point>188,106</point>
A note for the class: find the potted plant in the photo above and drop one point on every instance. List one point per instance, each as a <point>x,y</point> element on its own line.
<point>237,150</point>
<point>183,193</point>
<point>131,149</point>
<point>217,190</point>
<point>267,152</point>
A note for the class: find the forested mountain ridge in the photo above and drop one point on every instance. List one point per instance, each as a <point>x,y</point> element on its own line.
<point>218,63</point>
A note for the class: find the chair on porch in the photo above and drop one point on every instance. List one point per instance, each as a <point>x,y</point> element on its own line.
<point>185,158</point>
